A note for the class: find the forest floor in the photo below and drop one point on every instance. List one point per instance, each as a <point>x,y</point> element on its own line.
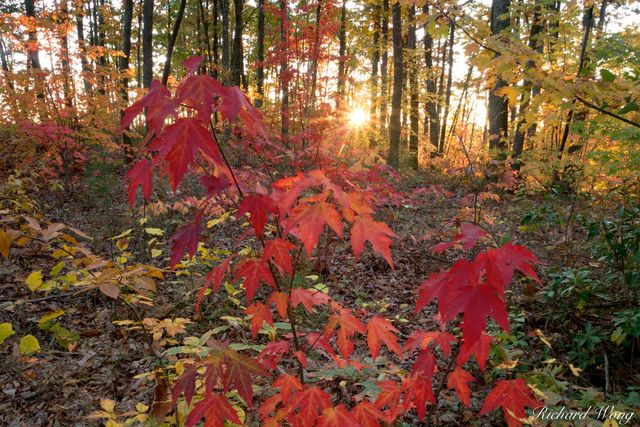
<point>60,388</point>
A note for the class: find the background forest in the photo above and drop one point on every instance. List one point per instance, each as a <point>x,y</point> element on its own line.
<point>351,213</point>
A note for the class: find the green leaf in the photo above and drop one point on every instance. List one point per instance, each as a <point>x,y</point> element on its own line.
<point>45,321</point>
<point>57,268</point>
<point>34,281</point>
<point>632,106</point>
<point>29,344</point>
<point>607,75</point>
<point>6,330</point>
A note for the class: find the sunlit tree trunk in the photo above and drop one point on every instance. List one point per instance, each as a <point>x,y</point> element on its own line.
<point>393,157</point>
<point>413,87</point>
<point>431,111</point>
<point>375,65</point>
<point>342,51</point>
<point>529,91</point>
<point>498,105</point>
<point>147,43</point>
<point>384,67</point>
<point>82,46</point>
<point>33,51</point>
<point>447,92</point>
<point>316,55</point>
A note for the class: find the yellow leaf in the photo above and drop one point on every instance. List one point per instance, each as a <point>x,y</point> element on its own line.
<point>610,423</point>
<point>6,330</point>
<point>29,344</point>
<point>6,238</point>
<point>509,92</point>
<point>543,338</point>
<point>34,281</point>
<point>154,231</point>
<point>575,371</point>
<point>108,405</point>
<point>48,317</point>
<point>509,364</point>
<point>155,253</point>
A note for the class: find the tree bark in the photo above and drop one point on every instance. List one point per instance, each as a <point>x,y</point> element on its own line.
<point>393,158</point>
<point>147,43</point>
<point>82,45</point>
<point>284,79</point>
<point>127,19</point>
<point>237,65</point>
<point>342,52</point>
<point>33,52</point>
<point>432,117</point>
<point>375,65</point>
<point>260,55</point>
<point>172,41</point>
<point>498,105</point>
<point>447,102</point>
<point>226,51</point>
<point>413,88</point>
<point>384,66</point>
<point>316,56</point>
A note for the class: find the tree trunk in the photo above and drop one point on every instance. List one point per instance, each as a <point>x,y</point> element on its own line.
<point>535,43</point>
<point>445,116</point>
<point>147,43</point>
<point>82,45</point>
<point>63,28</point>
<point>432,117</point>
<point>226,51</point>
<point>396,101</point>
<point>260,55</point>
<point>127,18</point>
<point>214,36</point>
<point>316,56</point>
<point>375,65</point>
<point>172,42</point>
<point>284,79</point>
<point>384,66</point>
<point>237,66</point>
<point>342,52</point>
<point>33,52</point>
<point>413,88</point>
<point>498,105</point>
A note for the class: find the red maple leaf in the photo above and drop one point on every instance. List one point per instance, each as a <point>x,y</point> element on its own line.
<point>215,184</point>
<point>200,92</point>
<point>367,414</point>
<point>468,236</point>
<point>377,233</point>
<point>216,409</point>
<point>288,384</point>
<point>423,339</point>
<point>337,417</point>
<point>307,403</point>
<point>192,63</point>
<point>308,298</point>
<point>260,313</point>
<point>272,354</point>
<point>459,380</point>
<point>347,326</point>
<point>501,263</point>
<point>379,329</point>
<point>186,383</point>
<point>277,250</point>
<point>185,240</point>
<point>513,396</point>
<point>139,176</point>
<point>259,207</point>
<point>419,390</point>
<point>178,144</point>
<point>158,103</point>
<point>235,103</point>
<point>425,363</point>
<point>390,394</point>
<point>307,221</point>
<point>281,301</point>
<point>214,277</point>
<point>480,350</point>
<point>238,374</point>
<point>254,271</point>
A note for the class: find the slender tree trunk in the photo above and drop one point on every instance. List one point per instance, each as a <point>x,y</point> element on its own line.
<point>260,55</point>
<point>342,52</point>
<point>432,117</point>
<point>33,52</point>
<point>284,64</point>
<point>375,65</point>
<point>5,65</point>
<point>139,51</point>
<point>498,105</point>
<point>215,36</point>
<point>172,41</point>
<point>413,87</point>
<point>384,67</point>
<point>226,51</point>
<point>102,37</point>
<point>205,27</point>
<point>396,101</point>
<point>447,101</point>
<point>147,43</point>
<point>535,43</point>
<point>237,66</point>
<point>127,19</point>
<point>82,45</point>
<point>63,28</point>
<point>316,56</point>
